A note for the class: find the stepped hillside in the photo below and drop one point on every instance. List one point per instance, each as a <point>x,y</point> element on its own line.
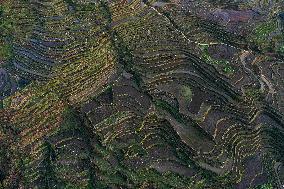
<point>131,94</point>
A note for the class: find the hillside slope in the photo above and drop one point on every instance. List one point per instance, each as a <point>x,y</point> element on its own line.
<point>141,94</point>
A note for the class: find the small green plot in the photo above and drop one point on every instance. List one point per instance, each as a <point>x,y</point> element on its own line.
<point>223,64</point>
<point>186,92</point>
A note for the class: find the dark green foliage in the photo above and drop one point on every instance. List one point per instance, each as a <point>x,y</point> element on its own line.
<point>47,171</point>
<point>71,120</point>
<point>105,12</point>
<point>172,110</point>
<point>1,104</point>
<point>6,28</point>
<point>253,93</point>
<point>2,177</point>
<point>276,139</point>
<point>264,186</point>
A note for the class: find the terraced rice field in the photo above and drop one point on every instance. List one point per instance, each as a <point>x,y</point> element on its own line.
<point>131,94</point>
